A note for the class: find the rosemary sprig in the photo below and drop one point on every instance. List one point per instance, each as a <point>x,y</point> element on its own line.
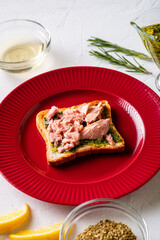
<point>97,42</point>
<point>120,61</point>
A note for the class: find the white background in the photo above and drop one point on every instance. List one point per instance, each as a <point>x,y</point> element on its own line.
<point>71,23</point>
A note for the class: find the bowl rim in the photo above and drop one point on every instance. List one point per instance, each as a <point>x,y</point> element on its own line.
<point>104,200</point>
<point>34,59</point>
<point>133,22</point>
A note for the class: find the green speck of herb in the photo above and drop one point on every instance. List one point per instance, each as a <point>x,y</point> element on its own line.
<point>114,134</point>
<point>60,112</point>
<point>45,124</point>
<point>105,113</point>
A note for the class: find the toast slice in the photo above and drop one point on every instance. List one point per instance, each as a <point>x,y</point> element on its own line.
<point>84,146</point>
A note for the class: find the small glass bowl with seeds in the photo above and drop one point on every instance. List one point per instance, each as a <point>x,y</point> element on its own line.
<point>104,219</point>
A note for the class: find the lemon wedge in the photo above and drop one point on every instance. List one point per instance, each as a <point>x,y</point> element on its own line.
<point>13,219</point>
<point>46,233</point>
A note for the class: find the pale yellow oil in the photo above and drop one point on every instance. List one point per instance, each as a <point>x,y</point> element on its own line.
<point>22,52</point>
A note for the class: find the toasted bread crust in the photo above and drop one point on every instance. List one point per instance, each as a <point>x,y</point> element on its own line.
<point>82,151</point>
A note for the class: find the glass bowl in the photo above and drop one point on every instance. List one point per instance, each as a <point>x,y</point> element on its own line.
<point>149,19</point>
<point>24,43</point>
<point>91,212</point>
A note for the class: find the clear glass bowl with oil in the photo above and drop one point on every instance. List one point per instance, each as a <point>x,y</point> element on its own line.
<point>24,44</point>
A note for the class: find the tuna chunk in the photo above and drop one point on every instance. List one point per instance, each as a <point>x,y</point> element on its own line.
<point>110,139</point>
<point>75,136</point>
<point>50,125</point>
<point>95,130</point>
<point>52,112</point>
<point>84,108</point>
<point>68,111</point>
<point>66,147</point>
<point>94,113</point>
<point>55,138</point>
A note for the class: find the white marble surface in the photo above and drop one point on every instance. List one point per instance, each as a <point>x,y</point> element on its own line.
<point>71,23</point>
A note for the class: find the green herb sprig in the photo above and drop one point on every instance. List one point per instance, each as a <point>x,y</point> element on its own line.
<point>97,42</point>
<point>120,61</point>
<point>117,59</point>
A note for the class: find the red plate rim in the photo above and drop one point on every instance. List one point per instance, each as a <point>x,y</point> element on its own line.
<point>24,177</point>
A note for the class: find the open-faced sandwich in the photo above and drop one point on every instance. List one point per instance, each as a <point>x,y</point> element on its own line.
<point>78,131</point>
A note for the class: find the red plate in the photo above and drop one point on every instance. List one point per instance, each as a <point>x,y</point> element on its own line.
<point>136,114</point>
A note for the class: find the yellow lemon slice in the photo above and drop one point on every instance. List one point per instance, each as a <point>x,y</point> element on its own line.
<point>13,219</point>
<point>46,233</point>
